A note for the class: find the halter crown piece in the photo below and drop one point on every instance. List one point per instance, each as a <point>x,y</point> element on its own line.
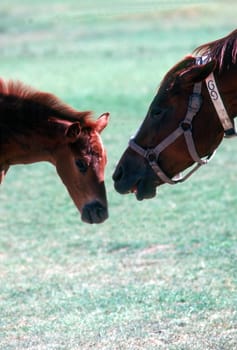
<point>185,128</point>
<point>227,123</point>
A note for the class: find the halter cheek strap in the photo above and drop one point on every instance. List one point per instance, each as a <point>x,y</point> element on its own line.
<point>227,123</point>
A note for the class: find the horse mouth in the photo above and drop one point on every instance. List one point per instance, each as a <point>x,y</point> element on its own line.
<point>94,213</point>
<point>143,191</point>
<point>143,187</point>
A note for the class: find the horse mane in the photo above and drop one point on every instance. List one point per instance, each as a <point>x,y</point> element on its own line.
<point>24,93</point>
<point>223,51</point>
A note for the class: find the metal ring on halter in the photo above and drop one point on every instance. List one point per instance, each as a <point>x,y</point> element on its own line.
<point>185,125</point>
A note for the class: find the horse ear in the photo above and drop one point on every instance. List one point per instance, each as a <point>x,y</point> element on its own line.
<point>71,130</point>
<point>197,73</point>
<point>102,122</point>
<point>186,62</point>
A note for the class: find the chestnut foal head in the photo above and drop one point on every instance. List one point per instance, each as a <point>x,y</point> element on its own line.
<point>37,126</point>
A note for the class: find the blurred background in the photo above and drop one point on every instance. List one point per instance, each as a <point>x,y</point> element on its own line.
<point>158,274</point>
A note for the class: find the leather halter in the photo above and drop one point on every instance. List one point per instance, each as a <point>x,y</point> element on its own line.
<point>185,128</point>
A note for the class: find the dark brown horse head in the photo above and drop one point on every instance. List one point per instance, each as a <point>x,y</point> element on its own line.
<point>160,149</point>
<point>36,126</point>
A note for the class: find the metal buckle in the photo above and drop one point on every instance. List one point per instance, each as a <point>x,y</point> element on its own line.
<point>195,101</point>
<point>230,133</point>
<point>151,156</point>
<point>185,125</point>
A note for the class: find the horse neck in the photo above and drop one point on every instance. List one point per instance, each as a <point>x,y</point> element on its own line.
<point>22,149</point>
<point>227,83</point>
<point>25,140</point>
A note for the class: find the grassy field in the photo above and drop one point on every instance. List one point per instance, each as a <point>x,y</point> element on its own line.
<point>158,274</point>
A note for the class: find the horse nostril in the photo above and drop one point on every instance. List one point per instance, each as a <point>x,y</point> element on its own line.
<point>94,213</point>
<point>118,174</point>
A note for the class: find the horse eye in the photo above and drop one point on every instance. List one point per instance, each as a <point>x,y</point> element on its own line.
<point>157,113</point>
<point>82,165</point>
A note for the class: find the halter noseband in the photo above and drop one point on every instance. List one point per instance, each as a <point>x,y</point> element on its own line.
<point>185,128</point>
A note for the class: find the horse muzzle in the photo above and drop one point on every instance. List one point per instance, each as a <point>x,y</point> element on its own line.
<point>142,187</point>
<point>94,213</point>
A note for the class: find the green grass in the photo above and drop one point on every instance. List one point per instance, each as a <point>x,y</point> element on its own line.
<point>159,274</point>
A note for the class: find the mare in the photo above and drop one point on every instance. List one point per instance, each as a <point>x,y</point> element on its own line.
<point>194,108</point>
<point>36,126</point>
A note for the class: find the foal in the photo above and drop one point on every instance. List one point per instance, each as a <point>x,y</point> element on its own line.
<point>36,126</point>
